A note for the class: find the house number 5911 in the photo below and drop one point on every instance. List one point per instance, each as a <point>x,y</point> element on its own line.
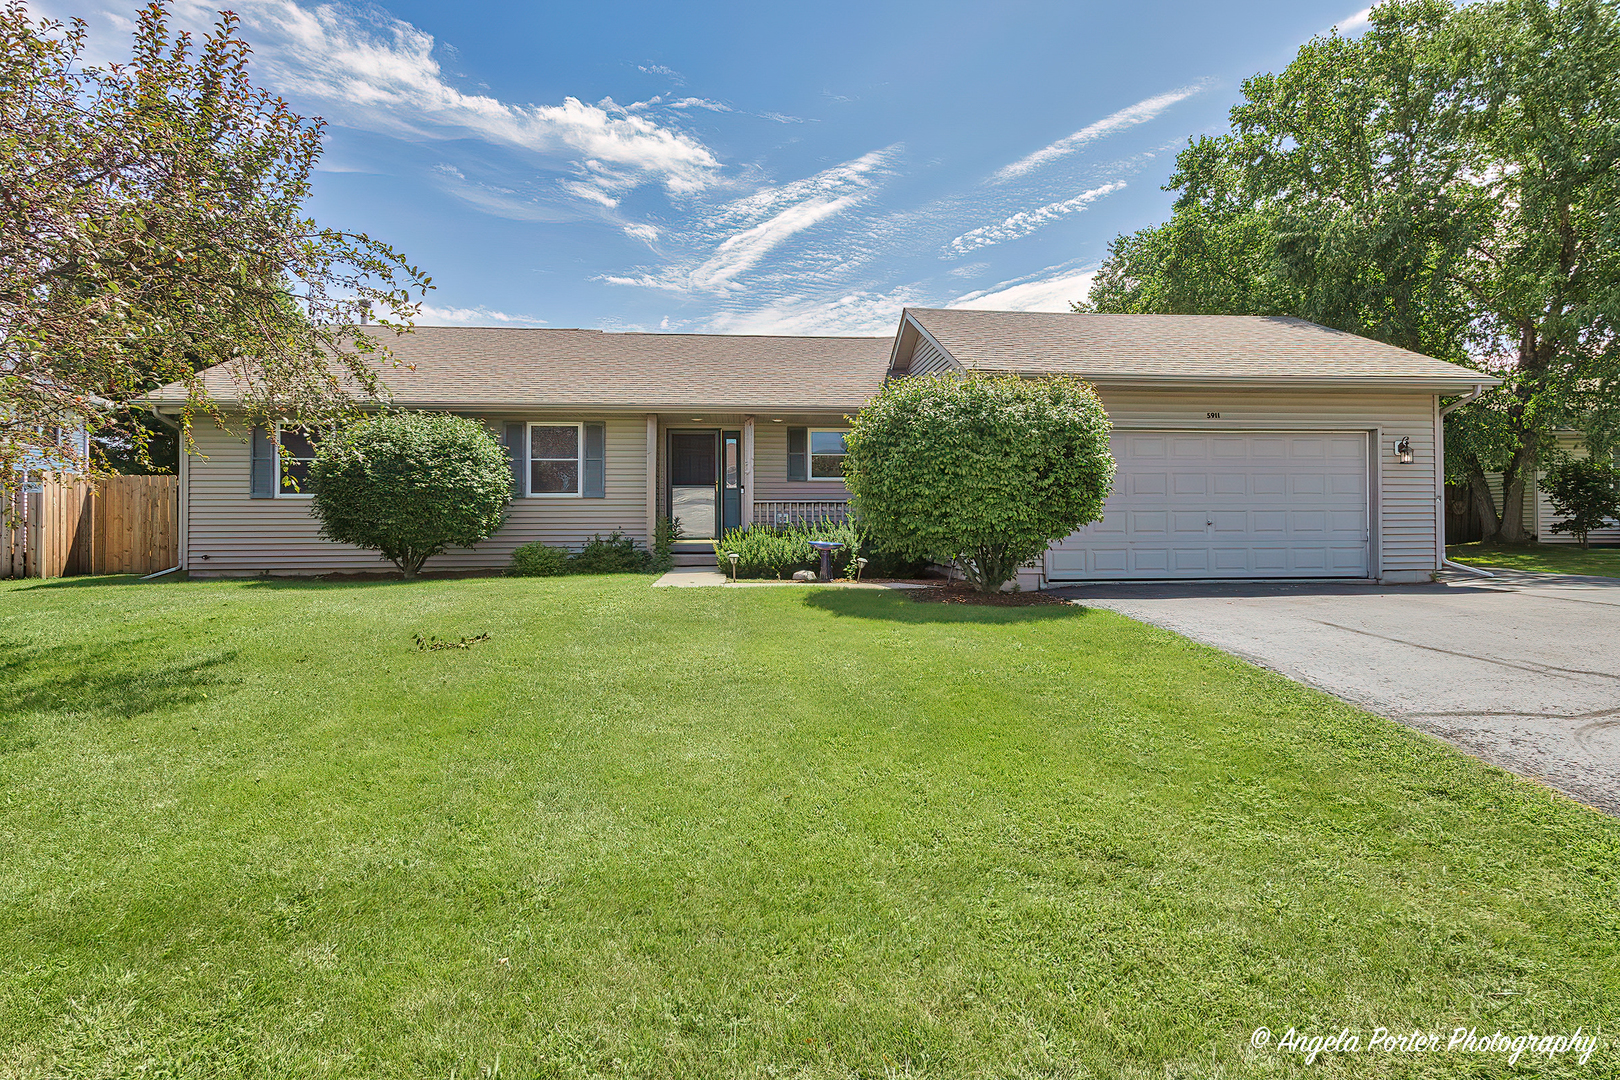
<point>1212,416</point>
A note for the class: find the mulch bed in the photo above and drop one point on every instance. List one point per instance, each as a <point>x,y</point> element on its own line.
<point>958,593</point>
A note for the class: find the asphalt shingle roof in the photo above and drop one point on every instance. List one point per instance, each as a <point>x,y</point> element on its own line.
<point>1163,347</point>
<point>488,367</point>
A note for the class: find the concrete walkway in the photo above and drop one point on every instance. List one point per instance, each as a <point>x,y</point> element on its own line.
<point>1522,670</point>
<point>692,577</point>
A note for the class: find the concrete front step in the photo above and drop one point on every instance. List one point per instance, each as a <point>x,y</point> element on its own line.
<point>694,558</point>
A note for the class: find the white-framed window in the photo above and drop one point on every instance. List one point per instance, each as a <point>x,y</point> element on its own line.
<point>826,454</point>
<point>294,451</point>
<point>556,460</point>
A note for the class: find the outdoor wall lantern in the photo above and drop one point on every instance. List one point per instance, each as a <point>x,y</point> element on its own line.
<point>1403,450</point>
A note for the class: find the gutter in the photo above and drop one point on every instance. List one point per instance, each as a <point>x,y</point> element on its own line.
<point>1440,465</point>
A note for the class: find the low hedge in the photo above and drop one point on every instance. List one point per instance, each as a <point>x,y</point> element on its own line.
<point>614,554</point>
<point>776,552</point>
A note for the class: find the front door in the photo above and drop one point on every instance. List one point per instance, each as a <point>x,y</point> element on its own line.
<point>694,483</point>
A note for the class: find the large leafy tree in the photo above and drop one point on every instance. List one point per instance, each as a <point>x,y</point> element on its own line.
<point>152,225</point>
<point>1446,182</point>
<point>983,472</point>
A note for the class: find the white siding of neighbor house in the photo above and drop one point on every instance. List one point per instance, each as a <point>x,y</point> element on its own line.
<point>1405,506</point>
<point>229,533</point>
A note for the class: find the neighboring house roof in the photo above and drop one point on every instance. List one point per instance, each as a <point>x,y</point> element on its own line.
<point>491,367</point>
<point>1169,348</point>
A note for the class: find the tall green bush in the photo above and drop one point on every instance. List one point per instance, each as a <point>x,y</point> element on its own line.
<point>1585,493</point>
<point>410,485</point>
<point>984,471</point>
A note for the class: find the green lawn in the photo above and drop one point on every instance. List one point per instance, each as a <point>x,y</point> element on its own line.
<point>248,829</point>
<point>1548,558</point>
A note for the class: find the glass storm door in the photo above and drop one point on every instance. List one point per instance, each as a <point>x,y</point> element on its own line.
<point>731,479</point>
<point>694,483</point>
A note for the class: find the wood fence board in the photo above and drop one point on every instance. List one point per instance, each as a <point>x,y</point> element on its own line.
<point>129,526</point>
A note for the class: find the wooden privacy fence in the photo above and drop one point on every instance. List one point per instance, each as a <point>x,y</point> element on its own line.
<point>131,525</point>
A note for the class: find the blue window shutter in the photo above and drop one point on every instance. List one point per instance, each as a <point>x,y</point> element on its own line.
<point>594,483</point>
<point>516,453</point>
<point>262,473</point>
<point>798,453</point>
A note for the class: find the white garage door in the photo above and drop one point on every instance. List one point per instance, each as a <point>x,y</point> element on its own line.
<point>1260,504</point>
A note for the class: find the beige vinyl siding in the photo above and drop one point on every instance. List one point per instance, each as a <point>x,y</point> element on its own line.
<point>929,359</point>
<point>1540,515</point>
<point>228,532</point>
<point>770,463</point>
<point>1404,507</point>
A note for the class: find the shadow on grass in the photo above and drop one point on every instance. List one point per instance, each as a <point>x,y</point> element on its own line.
<point>99,581</point>
<point>118,678</point>
<point>896,606</point>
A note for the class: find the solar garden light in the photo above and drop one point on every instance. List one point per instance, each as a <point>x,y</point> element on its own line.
<point>733,556</point>
<point>860,564</point>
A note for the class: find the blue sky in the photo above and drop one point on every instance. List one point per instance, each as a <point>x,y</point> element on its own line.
<point>748,167</point>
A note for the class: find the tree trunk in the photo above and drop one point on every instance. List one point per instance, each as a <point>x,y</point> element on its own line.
<point>1484,506</point>
<point>1513,488</point>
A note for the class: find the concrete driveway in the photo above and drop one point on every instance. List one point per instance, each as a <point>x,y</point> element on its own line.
<point>1522,670</point>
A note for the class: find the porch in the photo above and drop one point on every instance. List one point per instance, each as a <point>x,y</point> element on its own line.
<point>717,473</point>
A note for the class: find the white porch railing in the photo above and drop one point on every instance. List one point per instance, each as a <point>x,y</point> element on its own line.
<point>800,513</point>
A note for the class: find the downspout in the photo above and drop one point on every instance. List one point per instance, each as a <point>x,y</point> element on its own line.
<point>179,435</point>
<point>1440,477</point>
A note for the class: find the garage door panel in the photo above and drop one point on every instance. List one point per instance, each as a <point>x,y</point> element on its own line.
<point>1310,559</point>
<point>1150,559</point>
<point>1307,522</point>
<point>1189,560</point>
<point>1189,505</point>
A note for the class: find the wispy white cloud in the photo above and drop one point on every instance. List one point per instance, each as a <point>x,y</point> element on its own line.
<point>1027,221</point>
<point>1053,289</point>
<point>1128,117</point>
<point>380,72</point>
<point>733,241</point>
<point>659,69</point>
<point>700,103</point>
<point>501,201</point>
<point>474,316</point>
<point>641,231</point>
<point>1353,24</point>
<point>859,313</point>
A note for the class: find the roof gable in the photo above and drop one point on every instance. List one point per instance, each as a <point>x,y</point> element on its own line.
<point>1173,348</point>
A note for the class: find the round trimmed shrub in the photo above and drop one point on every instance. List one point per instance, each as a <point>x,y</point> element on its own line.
<point>983,472</point>
<point>410,485</point>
